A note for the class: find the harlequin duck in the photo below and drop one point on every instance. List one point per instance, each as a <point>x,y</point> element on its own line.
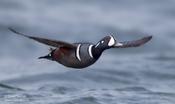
<point>81,55</point>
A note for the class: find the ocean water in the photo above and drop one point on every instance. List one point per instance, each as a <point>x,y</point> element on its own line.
<point>143,75</point>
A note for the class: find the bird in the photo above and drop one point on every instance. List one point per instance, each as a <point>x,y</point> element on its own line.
<point>80,55</point>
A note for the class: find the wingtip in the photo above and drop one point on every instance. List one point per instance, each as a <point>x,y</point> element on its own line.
<point>12,30</point>
<point>16,32</point>
<point>148,38</point>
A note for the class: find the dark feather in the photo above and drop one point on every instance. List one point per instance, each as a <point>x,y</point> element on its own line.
<point>50,42</point>
<point>135,43</point>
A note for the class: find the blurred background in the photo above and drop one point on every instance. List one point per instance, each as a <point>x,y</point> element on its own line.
<point>144,75</point>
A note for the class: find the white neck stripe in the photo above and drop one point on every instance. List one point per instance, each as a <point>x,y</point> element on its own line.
<point>97,44</point>
<point>78,52</point>
<point>90,51</point>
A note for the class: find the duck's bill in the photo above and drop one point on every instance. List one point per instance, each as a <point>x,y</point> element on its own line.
<point>135,43</point>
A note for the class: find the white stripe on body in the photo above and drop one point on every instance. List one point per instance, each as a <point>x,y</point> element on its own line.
<point>78,52</point>
<point>90,51</point>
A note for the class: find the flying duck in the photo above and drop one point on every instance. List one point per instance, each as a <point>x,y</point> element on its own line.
<point>81,55</point>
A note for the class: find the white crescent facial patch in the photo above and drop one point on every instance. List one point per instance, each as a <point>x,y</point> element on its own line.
<point>111,41</point>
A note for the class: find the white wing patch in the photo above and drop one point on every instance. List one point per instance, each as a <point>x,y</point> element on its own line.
<point>90,51</point>
<point>111,41</point>
<point>78,52</point>
<point>119,44</point>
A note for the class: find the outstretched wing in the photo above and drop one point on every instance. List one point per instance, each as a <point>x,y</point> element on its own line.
<point>135,43</point>
<point>50,42</point>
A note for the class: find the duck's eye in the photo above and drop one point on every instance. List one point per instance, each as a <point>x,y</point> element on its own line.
<point>50,54</point>
<point>102,42</point>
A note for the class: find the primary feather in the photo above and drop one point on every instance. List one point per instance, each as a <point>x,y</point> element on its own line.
<point>135,43</point>
<point>50,42</point>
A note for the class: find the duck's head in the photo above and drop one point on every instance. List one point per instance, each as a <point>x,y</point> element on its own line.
<point>106,43</point>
